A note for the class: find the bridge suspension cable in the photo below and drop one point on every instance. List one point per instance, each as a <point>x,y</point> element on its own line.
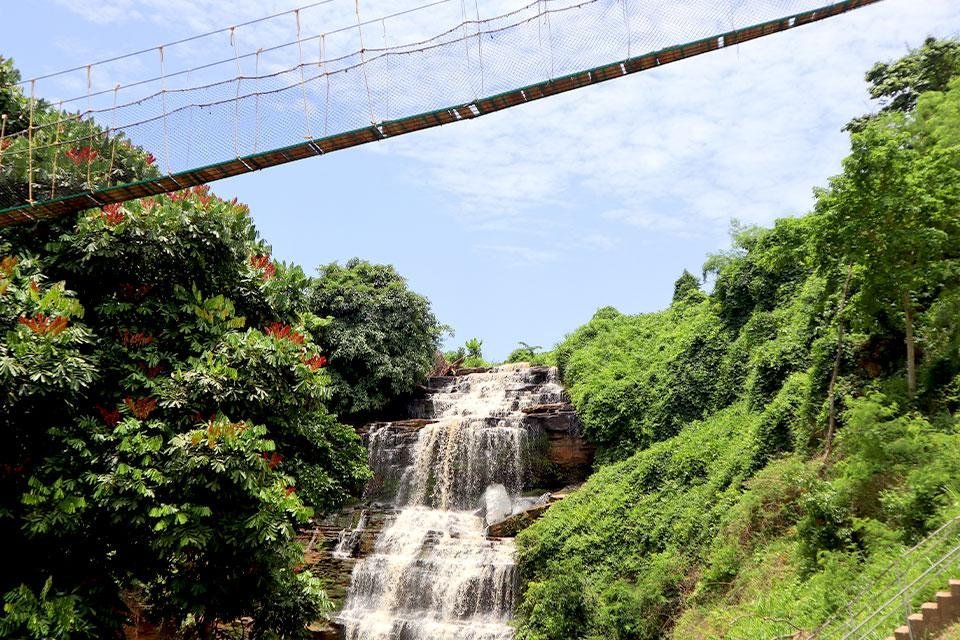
<point>304,82</point>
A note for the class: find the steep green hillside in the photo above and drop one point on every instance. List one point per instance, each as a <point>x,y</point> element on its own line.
<point>768,442</point>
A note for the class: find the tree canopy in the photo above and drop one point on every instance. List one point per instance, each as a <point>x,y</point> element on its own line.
<point>382,337</point>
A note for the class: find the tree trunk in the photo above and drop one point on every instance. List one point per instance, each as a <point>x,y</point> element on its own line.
<point>911,345</point>
<point>831,390</point>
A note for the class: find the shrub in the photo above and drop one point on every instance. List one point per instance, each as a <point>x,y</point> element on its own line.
<point>382,338</point>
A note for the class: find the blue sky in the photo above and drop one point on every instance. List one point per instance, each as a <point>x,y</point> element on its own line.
<point>518,225</point>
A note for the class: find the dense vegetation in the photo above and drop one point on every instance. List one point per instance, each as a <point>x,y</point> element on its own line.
<point>167,420</point>
<point>767,443</point>
<point>382,337</point>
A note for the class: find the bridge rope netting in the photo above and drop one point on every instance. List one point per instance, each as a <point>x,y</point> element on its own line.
<point>325,77</point>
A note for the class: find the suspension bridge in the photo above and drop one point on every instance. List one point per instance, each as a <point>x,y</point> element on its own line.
<point>284,87</point>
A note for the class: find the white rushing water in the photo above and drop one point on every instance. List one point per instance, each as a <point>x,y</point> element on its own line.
<point>433,574</point>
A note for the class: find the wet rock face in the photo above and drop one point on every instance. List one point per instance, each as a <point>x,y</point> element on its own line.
<point>428,553</point>
<point>569,454</point>
<point>519,432</point>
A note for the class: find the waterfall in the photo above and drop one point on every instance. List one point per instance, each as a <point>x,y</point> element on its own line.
<point>350,538</point>
<point>433,573</point>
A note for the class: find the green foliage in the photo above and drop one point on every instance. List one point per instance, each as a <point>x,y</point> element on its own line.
<point>45,615</point>
<point>898,85</point>
<point>687,287</point>
<point>382,338</point>
<point>471,354</point>
<point>530,353</point>
<point>892,212</point>
<point>639,379</point>
<point>631,534</point>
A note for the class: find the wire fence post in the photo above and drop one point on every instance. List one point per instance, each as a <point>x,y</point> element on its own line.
<point>163,106</point>
<point>363,64</point>
<point>56,154</point>
<point>236,101</point>
<point>308,131</point>
<point>33,87</point>
<point>3,140</point>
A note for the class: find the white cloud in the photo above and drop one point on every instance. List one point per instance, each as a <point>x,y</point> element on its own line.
<point>741,133</point>
<point>599,241</point>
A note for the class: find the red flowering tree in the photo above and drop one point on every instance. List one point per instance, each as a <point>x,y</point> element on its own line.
<point>165,439</point>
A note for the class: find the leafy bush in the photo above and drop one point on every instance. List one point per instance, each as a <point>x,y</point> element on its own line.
<point>638,379</point>
<point>632,533</point>
<point>382,338</point>
<point>532,354</point>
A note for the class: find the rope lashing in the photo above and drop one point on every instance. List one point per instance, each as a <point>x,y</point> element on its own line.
<point>308,133</point>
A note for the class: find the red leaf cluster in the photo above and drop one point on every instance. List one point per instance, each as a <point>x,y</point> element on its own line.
<point>290,490</point>
<point>264,263</point>
<point>198,417</point>
<point>315,362</point>
<point>45,326</point>
<point>5,144</point>
<point>284,332</point>
<point>112,213</point>
<point>8,264</point>
<point>133,292</point>
<point>149,158</point>
<point>141,407</point>
<point>150,372</point>
<point>272,459</point>
<point>81,155</point>
<point>138,339</point>
<point>218,430</point>
<point>201,191</point>
<point>12,470</point>
<point>110,416</point>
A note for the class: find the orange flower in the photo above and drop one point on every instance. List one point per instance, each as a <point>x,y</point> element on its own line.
<point>112,213</point>
<point>8,264</point>
<point>284,332</point>
<point>272,459</point>
<point>315,362</point>
<point>133,292</point>
<point>141,407</point>
<point>150,372</point>
<point>263,262</point>
<point>82,155</point>
<point>110,416</point>
<point>138,339</point>
<point>44,326</point>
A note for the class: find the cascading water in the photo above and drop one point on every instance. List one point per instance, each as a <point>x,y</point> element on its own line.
<point>433,573</point>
